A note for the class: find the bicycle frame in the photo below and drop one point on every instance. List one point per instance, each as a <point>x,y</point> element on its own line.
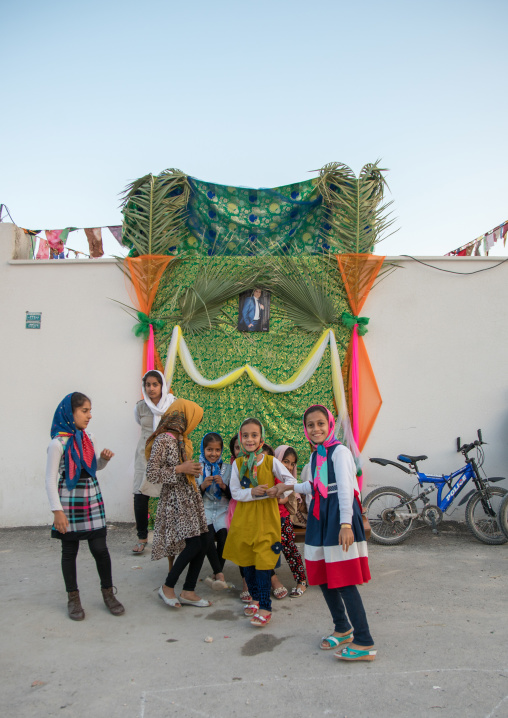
<point>392,511</point>
<point>463,476</point>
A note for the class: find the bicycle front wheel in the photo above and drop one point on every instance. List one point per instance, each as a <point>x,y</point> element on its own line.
<point>391,514</point>
<point>483,526</point>
<point>503,515</point>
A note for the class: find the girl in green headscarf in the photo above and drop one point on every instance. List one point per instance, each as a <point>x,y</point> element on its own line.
<point>254,538</point>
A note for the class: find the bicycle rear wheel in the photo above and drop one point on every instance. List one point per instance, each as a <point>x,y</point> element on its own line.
<point>483,526</point>
<point>390,525</point>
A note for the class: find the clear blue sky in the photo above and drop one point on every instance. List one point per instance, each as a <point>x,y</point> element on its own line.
<point>258,93</point>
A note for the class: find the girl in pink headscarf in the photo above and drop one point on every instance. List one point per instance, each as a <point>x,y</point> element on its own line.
<point>288,456</point>
<point>335,546</point>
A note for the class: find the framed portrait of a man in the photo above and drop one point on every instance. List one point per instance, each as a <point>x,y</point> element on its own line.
<point>254,311</point>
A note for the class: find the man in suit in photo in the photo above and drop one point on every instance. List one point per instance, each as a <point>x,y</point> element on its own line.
<point>251,312</point>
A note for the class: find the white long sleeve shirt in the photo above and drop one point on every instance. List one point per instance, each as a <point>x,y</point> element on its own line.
<point>54,468</point>
<point>241,494</point>
<point>345,475</point>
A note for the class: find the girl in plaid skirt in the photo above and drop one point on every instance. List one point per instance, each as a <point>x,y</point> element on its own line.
<point>76,500</point>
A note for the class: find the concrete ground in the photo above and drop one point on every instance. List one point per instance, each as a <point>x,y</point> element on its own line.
<point>437,607</point>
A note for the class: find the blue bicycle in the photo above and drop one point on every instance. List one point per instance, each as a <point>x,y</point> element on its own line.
<point>392,512</point>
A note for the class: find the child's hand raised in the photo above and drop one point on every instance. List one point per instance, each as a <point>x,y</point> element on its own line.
<point>189,467</point>
<point>106,454</point>
<point>260,490</point>
<point>279,489</point>
<point>220,483</point>
<point>206,483</point>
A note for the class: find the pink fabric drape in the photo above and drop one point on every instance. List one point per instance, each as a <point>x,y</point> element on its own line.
<point>355,391</point>
<point>150,352</point>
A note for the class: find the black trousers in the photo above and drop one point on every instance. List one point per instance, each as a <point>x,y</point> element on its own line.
<point>141,515</point>
<point>98,549</point>
<point>214,552</point>
<point>192,556</point>
<point>258,583</point>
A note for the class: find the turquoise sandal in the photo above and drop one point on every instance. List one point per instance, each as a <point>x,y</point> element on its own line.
<point>336,641</point>
<point>353,654</point>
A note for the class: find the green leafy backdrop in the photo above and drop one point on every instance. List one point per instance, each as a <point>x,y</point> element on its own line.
<point>277,354</point>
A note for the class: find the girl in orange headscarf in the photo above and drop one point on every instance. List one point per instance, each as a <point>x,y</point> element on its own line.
<point>180,523</point>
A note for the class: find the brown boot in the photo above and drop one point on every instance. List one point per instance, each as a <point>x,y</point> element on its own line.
<point>108,594</point>
<point>74,606</point>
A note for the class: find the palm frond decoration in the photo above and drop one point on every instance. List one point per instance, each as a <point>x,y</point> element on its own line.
<point>154,209</point>
<point>387,269</point>
<point>200,306</point>
<point>303,294</point>
<point>356,218</point>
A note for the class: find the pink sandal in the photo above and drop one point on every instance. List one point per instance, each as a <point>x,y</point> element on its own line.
<point>245,597</point>
<point>251,609</point>
<point>260,621</point>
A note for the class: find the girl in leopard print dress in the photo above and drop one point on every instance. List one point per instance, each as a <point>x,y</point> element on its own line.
<point>180,523</point>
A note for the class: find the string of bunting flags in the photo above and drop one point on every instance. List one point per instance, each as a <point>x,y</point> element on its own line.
<point>54,244</point>
<point>485,241</point>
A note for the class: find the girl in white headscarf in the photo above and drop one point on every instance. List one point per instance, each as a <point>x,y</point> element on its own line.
<point>147,413</point>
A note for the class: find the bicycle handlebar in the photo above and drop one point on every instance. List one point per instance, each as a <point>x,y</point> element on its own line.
<point>469,447</point>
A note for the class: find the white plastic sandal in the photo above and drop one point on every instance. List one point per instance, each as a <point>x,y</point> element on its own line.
<point>202,603</point>
<point>173,602</point>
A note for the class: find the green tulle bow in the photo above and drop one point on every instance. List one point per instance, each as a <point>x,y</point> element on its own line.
<point>142,328</point>
<point>349,321</point>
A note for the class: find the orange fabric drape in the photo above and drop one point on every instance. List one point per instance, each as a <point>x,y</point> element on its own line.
<point>145,274</point>
<point>359,272</point>
<point>370,397</point>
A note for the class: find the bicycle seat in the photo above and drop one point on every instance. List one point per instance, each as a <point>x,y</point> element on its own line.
<point>411,459</point>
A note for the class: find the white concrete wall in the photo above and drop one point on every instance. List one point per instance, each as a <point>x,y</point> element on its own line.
<point>437,343</point>
<point>85,344</point>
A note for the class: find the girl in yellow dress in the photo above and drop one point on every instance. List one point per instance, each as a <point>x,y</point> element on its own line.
<point>254,538</point>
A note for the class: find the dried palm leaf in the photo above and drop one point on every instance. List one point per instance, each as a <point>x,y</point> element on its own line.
<point>304,295</point>
<point>356,219</point>
<point>200,306</point>
<point>154,210</point>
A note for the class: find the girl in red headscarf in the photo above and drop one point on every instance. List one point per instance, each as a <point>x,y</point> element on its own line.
<point>76,499</point>
<point>335,546</point>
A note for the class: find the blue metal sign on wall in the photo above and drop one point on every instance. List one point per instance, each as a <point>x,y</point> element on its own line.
<point>33,320</point>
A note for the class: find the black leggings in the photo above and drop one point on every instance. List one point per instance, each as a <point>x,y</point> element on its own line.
<point>193,556</point>
<point>214,553</point>
<point>99,551</point>
<point>347,598</point>
<point>141,515</point>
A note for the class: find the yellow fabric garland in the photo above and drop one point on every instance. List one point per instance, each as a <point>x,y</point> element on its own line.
<point>178,347</point>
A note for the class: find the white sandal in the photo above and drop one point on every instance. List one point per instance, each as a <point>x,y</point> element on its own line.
<point>296,592</point>
<point>202,603</point>
<point>173,602</point>
<point>219,585</point>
